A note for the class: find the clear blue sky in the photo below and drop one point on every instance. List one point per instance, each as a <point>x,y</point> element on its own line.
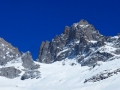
<point>26,23</point>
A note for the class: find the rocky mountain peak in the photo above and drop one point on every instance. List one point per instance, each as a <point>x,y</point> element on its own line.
<point>13,62</point>
<point>7,52</point>
<point>81,32</point>
<point>80,42</point>
<point>83,22</point>
<point>5,44</point>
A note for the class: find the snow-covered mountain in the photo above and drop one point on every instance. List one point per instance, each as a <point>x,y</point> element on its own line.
<point>79,59</point>
<point>15,64</point>
<point>81,42</point>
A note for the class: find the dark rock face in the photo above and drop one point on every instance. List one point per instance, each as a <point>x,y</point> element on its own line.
<point>104,75</point>
<point>28,62</point>
<point>30,67</point>
<point>11,55</point>
<point>7,52</point>
<point>80,32</point>
<point>44,52</point>
<point>81,41</point>
<point>95,57</point>
<point>30,75</point>
<point>9,72</point>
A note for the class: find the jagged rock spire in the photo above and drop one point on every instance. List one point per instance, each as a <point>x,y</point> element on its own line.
<point>49,50</point>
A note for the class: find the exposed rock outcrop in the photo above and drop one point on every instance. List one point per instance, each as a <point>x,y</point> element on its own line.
<point>28,62</point>
<point>103,75</point>
<point>31,75</point>
<point>7,52</point>
<point>9,72</point>
<point>81,41</point>
<point>10,57</point>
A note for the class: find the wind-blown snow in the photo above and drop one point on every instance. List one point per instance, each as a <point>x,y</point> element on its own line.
<point>62,51</point>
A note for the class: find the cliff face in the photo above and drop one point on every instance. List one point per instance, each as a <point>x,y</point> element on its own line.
<point>13,62</point>
<point>82,42</point>
<point>7,52</point>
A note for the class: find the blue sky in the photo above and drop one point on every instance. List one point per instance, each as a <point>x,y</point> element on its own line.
<point>26,23</point>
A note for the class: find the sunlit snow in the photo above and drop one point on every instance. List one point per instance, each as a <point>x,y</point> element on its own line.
<point>65,77</point>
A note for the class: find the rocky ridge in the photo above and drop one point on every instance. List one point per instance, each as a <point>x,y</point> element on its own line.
<point>14,64</point>
<point>103,75</point>
<point>82,42</point>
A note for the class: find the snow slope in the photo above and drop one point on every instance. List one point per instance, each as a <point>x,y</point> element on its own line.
<point>57,76</point>
<point>78,59</point>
